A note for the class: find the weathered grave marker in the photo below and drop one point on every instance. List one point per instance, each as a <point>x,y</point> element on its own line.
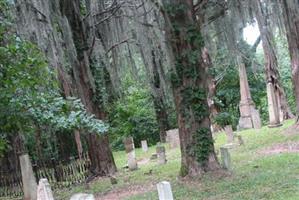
<point>44,191</point>
<point>82,196</point>
<point>161,154</point>
<point>130,150</point>
<point>225,157</point>
<point>173,138</point>
<point>164,191</point>
<point>144,145</point>
<point>229,133</point>
<point>28,178</point>
<point>240,140</point>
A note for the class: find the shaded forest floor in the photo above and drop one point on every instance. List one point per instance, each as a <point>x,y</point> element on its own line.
<point>266,167</point>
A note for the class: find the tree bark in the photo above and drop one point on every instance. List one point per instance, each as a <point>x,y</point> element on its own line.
<point>102,162</point>
<point>189,82</point>
<point>211,90</point>
<point>290,12</point>
<point>276,100</point>
<point>159,102</point>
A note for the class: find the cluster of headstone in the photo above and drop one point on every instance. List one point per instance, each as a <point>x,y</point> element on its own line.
<point>42,191</point>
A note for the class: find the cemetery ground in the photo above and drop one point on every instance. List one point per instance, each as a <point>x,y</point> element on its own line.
<point>265,167</point>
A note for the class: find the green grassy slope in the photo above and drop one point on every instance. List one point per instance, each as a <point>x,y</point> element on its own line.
<point>255,175</point>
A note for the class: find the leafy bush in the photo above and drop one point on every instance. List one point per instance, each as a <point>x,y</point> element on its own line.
<point>223,119</point>
<point>133,115</point>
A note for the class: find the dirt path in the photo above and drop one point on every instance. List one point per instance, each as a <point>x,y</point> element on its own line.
<point>120,194</point>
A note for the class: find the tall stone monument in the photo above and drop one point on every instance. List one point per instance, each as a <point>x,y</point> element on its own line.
<point>249,115</point>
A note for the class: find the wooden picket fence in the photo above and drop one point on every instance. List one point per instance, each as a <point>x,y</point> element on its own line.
<point>58,174</point>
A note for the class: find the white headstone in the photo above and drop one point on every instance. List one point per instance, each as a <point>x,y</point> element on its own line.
<point>164,191</point>
<point>144,145</point>
<point>44,191</point>
<point>28,178</point>
<point>130,150</point>
<point>161,155</point>
<point>82,196</point>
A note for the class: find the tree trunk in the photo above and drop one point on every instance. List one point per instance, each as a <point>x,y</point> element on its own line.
<point>159,102</point>
<point>290,12</point>
<point>189,82</point>
<point>148,44</point>
<point>211,90</point>
<point>43,34</point>
<point>102,162</point>
<point>276,96</point>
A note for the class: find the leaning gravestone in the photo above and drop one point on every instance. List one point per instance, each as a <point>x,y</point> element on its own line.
<point>144,146</point>
<point>164,191</point>
<point>161,154</point>
<point>28,178</point>
<point>173,138</point>
<point>44,191</point>
<point>130,150</point>
<point>82,196</point>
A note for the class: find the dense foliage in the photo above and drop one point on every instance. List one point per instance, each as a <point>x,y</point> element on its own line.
<point>29,94</point>
<point>133,115</point>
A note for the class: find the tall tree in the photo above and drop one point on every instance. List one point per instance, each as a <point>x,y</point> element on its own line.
<point>290,12</point>
<point>189,82</point>
<point>102,162</point>
<point>63,37</point>
<point>277,102</point>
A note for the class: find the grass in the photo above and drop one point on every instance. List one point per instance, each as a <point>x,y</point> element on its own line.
<point>254,175</point>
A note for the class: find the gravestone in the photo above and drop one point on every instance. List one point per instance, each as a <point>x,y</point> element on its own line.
<point>225,157</point>
<point>153,156</point>
<point>82,196</point>
<point>173,138</point>
<point>164,191</point>
<point>44,191</point>
<point>229,133</point>
<point>28,178</point>
<point>130,150</point>
<point>161,155</point>
<point>240,140</point>
<point>144,146</point>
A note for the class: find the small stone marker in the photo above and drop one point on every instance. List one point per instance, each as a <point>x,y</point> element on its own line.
<point>153,156</point>
<point>229,133</point>
<point>82,196</point>
<point>240,140</point>
<point>28,178</point>
<point>44,191</point>
<point>225,157</point>
<point>161,154</point>
<point>164,191</point>
<point>130,150</point>
<point>144,145</point>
